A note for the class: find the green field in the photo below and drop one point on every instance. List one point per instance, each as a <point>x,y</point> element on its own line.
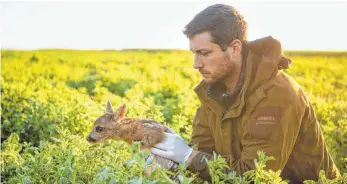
<point>50,99</point>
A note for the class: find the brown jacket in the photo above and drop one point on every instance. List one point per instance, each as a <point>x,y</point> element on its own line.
<point>271,113</point>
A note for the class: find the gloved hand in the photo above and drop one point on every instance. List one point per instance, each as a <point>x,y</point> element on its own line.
<point>154,160</point>
<point>173,147</point>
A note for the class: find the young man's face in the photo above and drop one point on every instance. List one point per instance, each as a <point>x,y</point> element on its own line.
<point>213,64</point>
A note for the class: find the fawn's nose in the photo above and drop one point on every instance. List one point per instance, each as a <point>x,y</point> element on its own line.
<point>90,139</point>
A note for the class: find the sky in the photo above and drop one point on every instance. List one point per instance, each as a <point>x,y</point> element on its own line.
<point>309,25</point>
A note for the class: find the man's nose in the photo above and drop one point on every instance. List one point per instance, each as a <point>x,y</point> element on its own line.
<point>197,62</point>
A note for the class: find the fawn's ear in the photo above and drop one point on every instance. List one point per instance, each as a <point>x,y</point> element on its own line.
<point>120,113</point>
<point>109,107</point>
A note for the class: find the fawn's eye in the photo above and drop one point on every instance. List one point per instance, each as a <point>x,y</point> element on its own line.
<point>99,129</point>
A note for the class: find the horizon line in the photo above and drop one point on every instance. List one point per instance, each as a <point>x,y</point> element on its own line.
<point>144,48</point>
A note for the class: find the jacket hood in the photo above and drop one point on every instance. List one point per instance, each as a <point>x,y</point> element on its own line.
<point>265,55</point>
<point>271,50</point>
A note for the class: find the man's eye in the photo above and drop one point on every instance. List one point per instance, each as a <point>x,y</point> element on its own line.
<point>204,53</point>
<point>99,129</point>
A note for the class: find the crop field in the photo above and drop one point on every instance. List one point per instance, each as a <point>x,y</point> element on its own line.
<point>50,99</point>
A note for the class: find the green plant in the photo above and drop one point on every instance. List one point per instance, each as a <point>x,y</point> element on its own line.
<point>50,98</point>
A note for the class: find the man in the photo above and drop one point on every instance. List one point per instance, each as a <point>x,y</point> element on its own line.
<point>247,104</point>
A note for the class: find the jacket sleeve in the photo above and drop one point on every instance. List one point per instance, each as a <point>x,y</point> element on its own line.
<point>203,142</point>
<point>202,136</point>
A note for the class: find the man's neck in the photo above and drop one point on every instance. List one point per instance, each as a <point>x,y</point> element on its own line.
<point>232,80</point>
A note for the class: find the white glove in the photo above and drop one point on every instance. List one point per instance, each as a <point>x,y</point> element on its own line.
<point>173,147</point>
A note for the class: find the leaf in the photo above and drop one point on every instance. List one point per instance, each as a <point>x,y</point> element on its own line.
<point>135,181</point>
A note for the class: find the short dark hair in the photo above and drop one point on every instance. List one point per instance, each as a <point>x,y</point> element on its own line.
<point>223,22</point>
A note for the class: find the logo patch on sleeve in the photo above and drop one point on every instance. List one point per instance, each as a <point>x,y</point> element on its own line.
<point>264,122</point>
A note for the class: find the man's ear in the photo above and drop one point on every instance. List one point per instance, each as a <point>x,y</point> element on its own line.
<point>120,113</point>
<point>109,108</point>
<point>235,48</point>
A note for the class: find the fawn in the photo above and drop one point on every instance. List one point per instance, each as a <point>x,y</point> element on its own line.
<point>114,125</point>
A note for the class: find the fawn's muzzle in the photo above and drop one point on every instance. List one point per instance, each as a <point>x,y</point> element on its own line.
<point>90,139</point>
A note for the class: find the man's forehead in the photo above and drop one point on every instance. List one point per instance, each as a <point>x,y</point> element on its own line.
<point>201,41</point>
